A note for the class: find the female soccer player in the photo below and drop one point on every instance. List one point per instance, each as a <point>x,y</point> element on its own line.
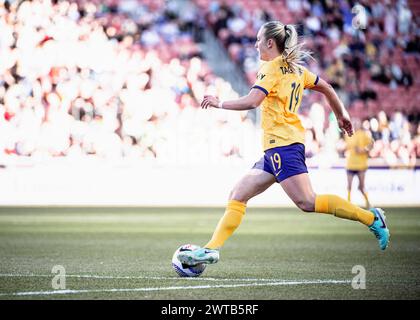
<point>358,147</point>
<point>279,88</point>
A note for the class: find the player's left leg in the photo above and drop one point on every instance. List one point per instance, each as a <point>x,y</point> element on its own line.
<point>350,176</point>
<point>361,175</point>
<point>253,183</point>
<point>299,189</point>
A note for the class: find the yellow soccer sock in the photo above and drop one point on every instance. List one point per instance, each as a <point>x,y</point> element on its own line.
<point>365,195</point>
<point>349,196</point>
<point>343,209</point>
<point>232,218</point>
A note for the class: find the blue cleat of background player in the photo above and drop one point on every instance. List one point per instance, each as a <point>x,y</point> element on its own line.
<point>379,228</point>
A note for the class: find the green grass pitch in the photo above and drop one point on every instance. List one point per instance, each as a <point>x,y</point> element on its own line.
<point>125,253</point>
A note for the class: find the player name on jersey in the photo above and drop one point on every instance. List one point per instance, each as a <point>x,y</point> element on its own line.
<point>286,70</point>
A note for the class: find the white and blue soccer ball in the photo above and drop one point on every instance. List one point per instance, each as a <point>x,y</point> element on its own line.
<point>184,270</point>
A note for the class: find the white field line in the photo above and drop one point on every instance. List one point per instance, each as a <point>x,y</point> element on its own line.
<point>256,284</point>
<point>92,276</point>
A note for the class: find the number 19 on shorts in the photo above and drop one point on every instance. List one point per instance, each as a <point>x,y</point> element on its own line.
<point>276,162</point>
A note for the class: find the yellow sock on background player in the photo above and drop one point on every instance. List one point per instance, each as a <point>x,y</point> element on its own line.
<point>343,209</point>
<point>232,218</point>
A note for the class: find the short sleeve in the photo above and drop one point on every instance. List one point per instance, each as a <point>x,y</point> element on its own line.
<point>266,79</point>
<point>310,79</point>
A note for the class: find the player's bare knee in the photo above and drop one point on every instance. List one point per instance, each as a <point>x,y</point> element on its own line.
<point>236,195</point>
<point>306,205</point>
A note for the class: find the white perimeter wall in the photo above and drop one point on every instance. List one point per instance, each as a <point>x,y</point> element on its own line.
<point>192,185</point>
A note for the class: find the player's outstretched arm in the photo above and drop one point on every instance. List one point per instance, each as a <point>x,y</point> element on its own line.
<point>251,101</point>
<point>336,105</point>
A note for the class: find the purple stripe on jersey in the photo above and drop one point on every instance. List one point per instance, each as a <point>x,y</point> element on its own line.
<point>261,88</point>
<point>316,81</point>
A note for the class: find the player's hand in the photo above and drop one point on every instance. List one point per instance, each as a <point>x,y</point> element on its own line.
<point>360,150</point>
<point>210,101</point>
<point>344,123</point>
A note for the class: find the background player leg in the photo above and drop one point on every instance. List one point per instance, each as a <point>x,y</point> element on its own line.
<point>361,175</point>
<point>350,176</point>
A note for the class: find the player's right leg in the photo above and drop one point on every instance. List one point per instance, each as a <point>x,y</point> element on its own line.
<point>253,183</point>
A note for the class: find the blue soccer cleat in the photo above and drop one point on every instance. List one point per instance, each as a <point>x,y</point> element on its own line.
<point>201,255</point>
<point>379,228</point>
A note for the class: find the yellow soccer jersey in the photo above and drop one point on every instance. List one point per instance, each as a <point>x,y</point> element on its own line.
<point>284,89</point>
<point>357,161</point>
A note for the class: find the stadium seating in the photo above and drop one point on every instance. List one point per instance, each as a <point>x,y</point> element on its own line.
<point>149,56</point>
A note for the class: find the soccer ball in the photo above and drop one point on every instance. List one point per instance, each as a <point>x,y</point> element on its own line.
<point>184,270</point>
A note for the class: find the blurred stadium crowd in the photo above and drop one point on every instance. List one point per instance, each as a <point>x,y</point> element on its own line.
<point>123,79</point>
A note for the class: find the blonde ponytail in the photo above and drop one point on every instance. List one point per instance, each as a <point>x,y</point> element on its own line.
<point>287,41</point>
